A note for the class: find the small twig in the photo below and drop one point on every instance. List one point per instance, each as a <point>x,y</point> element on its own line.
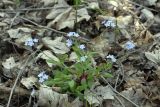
<point>56,31</point>
<point>17,14</point>
<point>134,3</point>
<point>118,92</point>
<point>119,101</point>
<point>18,90</point>
<point>16,81</point>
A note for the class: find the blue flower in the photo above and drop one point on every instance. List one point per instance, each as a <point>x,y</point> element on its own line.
<point>69,42</point>
<point>113,59</point>
<point>83,58</point>
<point>129,45</point>
<point>109,23</point>
<point>70,34</point>
<point>35,40</point>
<point>42,77</point>
<point>30,42</point>
<point>82,46</point>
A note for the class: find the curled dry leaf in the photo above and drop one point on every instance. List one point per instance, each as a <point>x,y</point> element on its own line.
<point>56,45</point>
<point>102,44</point>
<point>47,55</point>
<point>15,33</point>
<point>98,95</point>
<point>29,82</point>
<point>153,56</point>
<point>67,18</point>
<point>9,63</point>
<point>73,56</point>
<point>147,13</point>
<point>49,98</point>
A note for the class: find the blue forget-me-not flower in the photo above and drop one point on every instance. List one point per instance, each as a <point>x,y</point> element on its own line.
<point>42,77</point>
<point>129,45</point>
<point>82,46</point>
<point>74,34</point>
<point>69,42</point>
<point>113,59</point>
<point>109,23</point>
<point>30,42</point>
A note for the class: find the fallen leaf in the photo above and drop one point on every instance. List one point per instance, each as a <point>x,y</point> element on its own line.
<point>9,63</point>
<point>73,56</point>
<point>49,98</point>
<point>153,56</point>
<point>29,82</point>
<point>147,13</point>
<point>101,47</point>
<point>98,95</point>
<point>67,18</point>
<point>56,45</point>
<point>15,33</point>
<point>92,98</point>
<point>47,55</point>
<point>105,92</point>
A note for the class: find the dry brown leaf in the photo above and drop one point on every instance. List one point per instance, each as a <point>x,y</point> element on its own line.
<point>98,95</point>
<point>29,82</point>
<point>9,63</point>
<point>56,45</point>
<point>102,45</point>
<point>67,18</point>
<point>47,55</point>
<point>49,98</point>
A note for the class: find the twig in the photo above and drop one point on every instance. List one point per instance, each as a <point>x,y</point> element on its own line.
<point>119,101</point>
<point>134,3</point>
<point>16,81</point>
<point>18,90</point>
<point>17,14</point>
<point>56,31</point>
<point>119,93</point>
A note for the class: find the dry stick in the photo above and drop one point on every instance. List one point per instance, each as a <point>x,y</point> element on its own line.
<point>119,101</point>
<point>36,9</point>
<point>134,3</point>
<point>17,14</point>
<point>15,83</point>
<point>43,26</point>
<point>54,30</point>
<point>119,93</point>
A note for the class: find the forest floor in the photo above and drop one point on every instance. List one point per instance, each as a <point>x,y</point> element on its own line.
<point>80,53</point>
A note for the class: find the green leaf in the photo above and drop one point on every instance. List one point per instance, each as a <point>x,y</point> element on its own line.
<point>71,84</point>
<point>108,75</point>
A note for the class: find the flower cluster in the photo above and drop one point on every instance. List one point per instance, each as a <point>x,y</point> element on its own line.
<point>129,45</point>
<point>113,59</point>
<point>69,43</point>
<point>109,23</point>
<point>30,42</point>
<point>42,77</point>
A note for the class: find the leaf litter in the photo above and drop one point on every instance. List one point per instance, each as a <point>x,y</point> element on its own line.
<point>124,33</point>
